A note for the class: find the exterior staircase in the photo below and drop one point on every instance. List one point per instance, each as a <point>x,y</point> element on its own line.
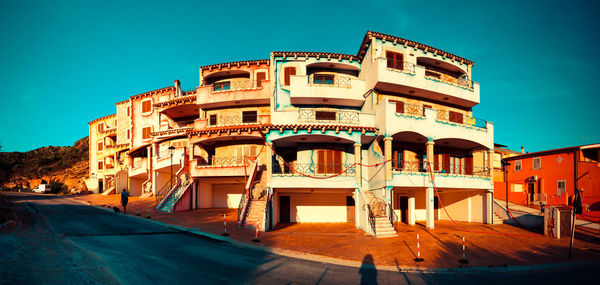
<point>110,187</point>
<point>256,203</point>
<point>383,227</point>
<point>170,200</point>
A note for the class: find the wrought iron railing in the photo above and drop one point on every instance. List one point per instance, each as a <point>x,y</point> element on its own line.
<point>329,80</point>
<point>137,163</point>
<point>392,215</point>
<point>461,81</point>
<point>243,208</point>
<point>235,85</point>
<point>399,65</point>
<point>314,169</point>
<point>312,115</point>
<point>164,190</point>
<point>378,207</point>
<point>221,161</point>
<point>440,168</point>
<point>459,118</point>
<point>372,221</point>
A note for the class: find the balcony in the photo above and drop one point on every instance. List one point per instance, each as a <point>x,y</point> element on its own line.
<point>303,175</point>
<point>327,89</point>
<point>233,120</point>
<point>323,116</point>
<point>220,166</point>
<point>139,167</point>
<point>431,123</point>
<point>419,81</point>
<point>175,128</point>
<point>238,93</point>
<point>162,159</point>
<point>416,174</point>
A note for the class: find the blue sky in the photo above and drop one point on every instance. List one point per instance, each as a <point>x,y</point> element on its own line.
<point>65,63</point>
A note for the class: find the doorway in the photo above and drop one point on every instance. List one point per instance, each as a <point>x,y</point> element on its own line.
<point>284,209</point>
<point>404,209</point>
<point>350,213</point>
<point>100,186</point>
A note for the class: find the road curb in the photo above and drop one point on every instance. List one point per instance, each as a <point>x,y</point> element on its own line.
<point>356,264</point>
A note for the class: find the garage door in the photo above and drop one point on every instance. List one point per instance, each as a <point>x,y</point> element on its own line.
<point>318,208</point>
<point>227,195</point>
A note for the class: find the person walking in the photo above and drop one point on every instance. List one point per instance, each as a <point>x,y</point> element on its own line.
<point>124,200</point>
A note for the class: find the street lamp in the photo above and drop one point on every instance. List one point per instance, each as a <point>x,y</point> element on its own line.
<point>505,165</point>
<point>172,149</point>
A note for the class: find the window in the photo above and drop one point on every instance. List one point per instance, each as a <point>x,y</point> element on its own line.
<point>128,134</point>
<point>287,73</point>
<point>244,151</point>
<point>395,60</point>
<point>329,161</point>
<point>147,106</point>
<point>249,117</point>
<point>100,146</point>
<point>397,159</point>
<point>561,187</point>
<point>222,86</point>
<point>146,132</point>
<point>518,165</point>
<point>100,127</point>
<point>100,165</point>
<point>325,115</point>
<point>400,107</point>
<point>455,117</point>
<point>455,165</point>
<point>517,187</point>
<point>260,76</point>
<point>213,120</point>
<point>323,79</point>
<point>537,163</point>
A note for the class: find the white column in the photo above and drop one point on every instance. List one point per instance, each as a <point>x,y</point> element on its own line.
<point>468,208</point>
<point>411,208</point>
<point>269,162</point>
<point>489,207</point>
<point>429,207</point>
<point>357,167</point>
<point>387,152</point>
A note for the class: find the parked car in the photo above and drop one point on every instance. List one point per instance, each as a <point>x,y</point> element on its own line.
<point>42,188</point>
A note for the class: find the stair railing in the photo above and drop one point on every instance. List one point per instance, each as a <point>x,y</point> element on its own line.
<point>245,200</point>
<point>162,192</point>
<point>393,217</point>
<point>367,208</point>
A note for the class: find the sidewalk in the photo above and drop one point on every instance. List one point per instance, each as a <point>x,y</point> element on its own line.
<point>532,211</point>
<point>440,247</point>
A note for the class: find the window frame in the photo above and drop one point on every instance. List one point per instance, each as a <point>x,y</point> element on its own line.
<point>210,120</point>
<point>100,127</point>
<point>100,165</point>
<point>326,117</point>
<point>518,163</point>
<point>144,133</point>
<point>222,86</point>
<point>558,182</point>
<point>539,160</point>
<point>250,114</point>
<point>323,79</point>
<point>150,106</point>
<point>396,61</point>
<point>287,75</point>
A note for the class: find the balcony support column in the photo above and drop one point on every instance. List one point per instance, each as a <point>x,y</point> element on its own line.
<point>490,163</point>
<point>411,208</point>
<point>387,152</point>
<point>429,207</point>
<point>269,161</point>
<point>429,151</point>
<point>357,166</point>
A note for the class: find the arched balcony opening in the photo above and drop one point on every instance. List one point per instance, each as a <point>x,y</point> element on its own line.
<point>228,80</point>
<point>326,73</point>
<point>443,71</point>
<point>460,157</point>
<point>409,152</point>
<point>228,151</point>
<point>313,155</point>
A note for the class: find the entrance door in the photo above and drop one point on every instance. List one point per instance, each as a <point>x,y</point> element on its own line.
<point>350,213</point>
<point>404,209</point>
<point>100,186</point>
<point>531,190</point>
<point>284,209</point>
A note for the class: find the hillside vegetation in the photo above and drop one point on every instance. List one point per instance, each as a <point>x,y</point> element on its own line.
<point>47,163</point>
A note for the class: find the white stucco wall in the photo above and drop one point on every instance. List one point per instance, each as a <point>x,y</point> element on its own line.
<point>227,195</point>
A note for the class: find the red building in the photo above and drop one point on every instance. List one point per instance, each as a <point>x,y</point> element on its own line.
<point>551,177</point>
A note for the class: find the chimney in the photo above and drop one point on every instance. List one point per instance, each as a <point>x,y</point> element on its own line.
<point>177,88</point>
<point>523,150</point>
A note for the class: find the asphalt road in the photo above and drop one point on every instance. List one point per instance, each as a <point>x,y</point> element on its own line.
<point>72,243</point>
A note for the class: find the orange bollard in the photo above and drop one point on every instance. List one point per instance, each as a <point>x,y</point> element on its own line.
<point>225,233</point>
<point>418,259</point>
<point>255,239</point>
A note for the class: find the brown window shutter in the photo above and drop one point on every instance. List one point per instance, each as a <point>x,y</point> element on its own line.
<point>400,107</point>
<point>446,162</point>
<point>469,165</point>
<point>390,59</point>
<point>455,117</point>
<point>436,162</point>
<point>337,161</point>
<point>320,161</point>
<point>259,78</point>
<point>329,161</point>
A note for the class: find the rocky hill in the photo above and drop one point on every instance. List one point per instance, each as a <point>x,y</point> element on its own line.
<point>68,164</point>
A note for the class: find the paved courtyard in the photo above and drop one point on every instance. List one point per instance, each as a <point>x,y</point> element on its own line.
<point>486,245</point>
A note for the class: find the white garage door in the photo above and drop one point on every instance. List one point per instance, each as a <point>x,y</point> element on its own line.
<point>227,195</point>
<point>318,208</point>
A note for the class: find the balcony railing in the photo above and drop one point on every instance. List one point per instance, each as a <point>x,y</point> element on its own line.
<point>314,169</point>
<point>461,81</point>
<point>137,163</point>
<point>236,85</point>
<point>233,120</point>
<point>410,109</point>
<point>311,115</point>
<point>329,80</point>
<point>459,118</point>
<point>399,65</point>
<point>222,161</point>
<point>440,168</point>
